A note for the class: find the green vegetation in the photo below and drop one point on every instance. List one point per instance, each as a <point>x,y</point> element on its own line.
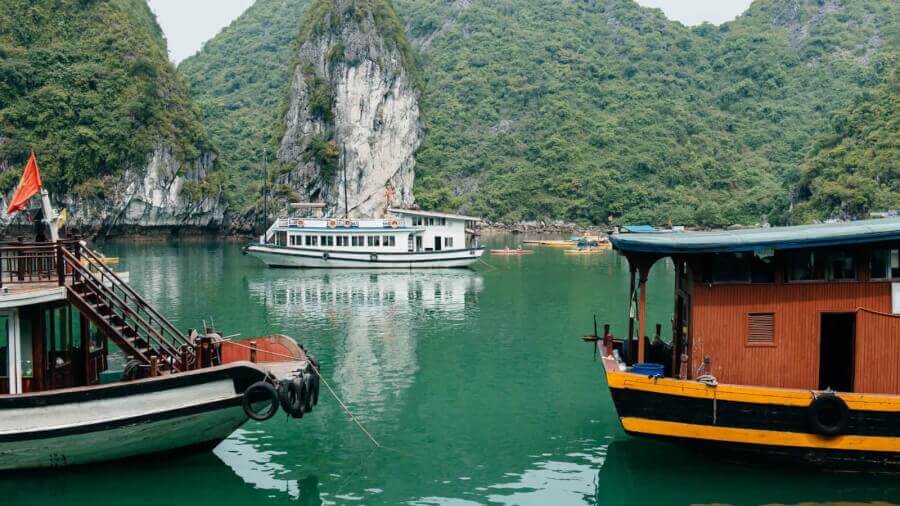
<point>583,109</point>
<point>87,84</point>
<point>240,80</point>
<point>855,169</point>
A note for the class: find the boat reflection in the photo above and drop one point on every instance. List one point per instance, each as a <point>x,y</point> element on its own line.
<point>374,317</point>
<point>634,469</point>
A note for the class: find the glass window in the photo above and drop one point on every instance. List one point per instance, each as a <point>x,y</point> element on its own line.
<point>742,268</point>
<point>26,348</point>
<point>448,242</point>
<point>820,265</point>
<point>357,240</point>
<point>389,240</point>
<point>326,240</point>
<point>312,240</point>
<point>884,264</point>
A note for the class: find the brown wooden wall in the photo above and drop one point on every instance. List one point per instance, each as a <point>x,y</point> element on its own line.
<point>719,329</point>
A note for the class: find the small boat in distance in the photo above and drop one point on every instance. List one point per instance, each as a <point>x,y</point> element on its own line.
<point>405,239</point>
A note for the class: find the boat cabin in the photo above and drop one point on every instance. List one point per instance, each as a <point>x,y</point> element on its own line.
<point>404,231</point>
<point>805,307</point>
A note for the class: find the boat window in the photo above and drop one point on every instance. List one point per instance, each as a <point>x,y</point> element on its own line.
<point>327,240</point>
<point>341,240</point>
<point>742,268</point>
<point>448,242</point>
<point>884,263</point>
<point>389,240</point>
<point>357,240</point>
<point>312,240</point>
<point>296,240</point>
<point>820,265</point>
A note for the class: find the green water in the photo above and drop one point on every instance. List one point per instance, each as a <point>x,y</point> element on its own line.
<point>476,381</point>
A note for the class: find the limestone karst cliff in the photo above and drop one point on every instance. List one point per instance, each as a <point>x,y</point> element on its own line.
<point>352,123</point>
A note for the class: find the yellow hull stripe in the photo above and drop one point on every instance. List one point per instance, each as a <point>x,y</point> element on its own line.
<point>741,393</point>
<point>760,437</point>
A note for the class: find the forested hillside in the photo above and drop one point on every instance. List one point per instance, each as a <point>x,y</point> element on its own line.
<point>241,80</point>
<point>856,167</point>
<point>585,109</point>
<point>88,86</point>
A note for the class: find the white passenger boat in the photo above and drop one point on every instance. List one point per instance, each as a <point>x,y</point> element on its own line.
<point>405,239</point>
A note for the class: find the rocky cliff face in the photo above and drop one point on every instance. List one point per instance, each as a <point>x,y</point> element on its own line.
<point>353,116</point>
<point>163,196</point>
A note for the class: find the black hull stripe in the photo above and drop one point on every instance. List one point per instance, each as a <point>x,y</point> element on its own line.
<point>743,415</point>
<point>116,424</point>
<point>843,460</point>
<point>242,376</point>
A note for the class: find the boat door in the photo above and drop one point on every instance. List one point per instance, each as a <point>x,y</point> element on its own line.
<point>836,351</point>
<point>10,353</point>
<point>437,243</point>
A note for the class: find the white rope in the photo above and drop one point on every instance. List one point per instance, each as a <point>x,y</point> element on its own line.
<point>710,381</point>
<point>327,385</point>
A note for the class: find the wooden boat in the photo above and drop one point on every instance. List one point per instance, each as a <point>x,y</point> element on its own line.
<point>60,307</point>
<point>583,251</point>
<point>786,344</point>
<point>508,251</point>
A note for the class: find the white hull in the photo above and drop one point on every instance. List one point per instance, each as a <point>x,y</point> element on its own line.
<point>116,427</point>
<point>320,259</point>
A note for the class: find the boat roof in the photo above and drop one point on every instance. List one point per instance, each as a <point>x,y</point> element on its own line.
<point>449,216</point>
<point>638,228</point>
<point>780,238</point>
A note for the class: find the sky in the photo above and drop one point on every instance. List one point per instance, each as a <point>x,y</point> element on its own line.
<point>189,23</point>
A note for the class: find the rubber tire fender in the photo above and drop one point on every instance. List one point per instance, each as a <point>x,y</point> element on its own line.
<point>298,397</point>
<point>308,385</point>
<point>264,388</point>
<point>316,381</point>
<point>823,403</point>
<point>373,257</point>
<point>326,256</point>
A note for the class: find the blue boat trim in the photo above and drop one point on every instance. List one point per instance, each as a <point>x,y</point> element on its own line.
<point>780,238</point>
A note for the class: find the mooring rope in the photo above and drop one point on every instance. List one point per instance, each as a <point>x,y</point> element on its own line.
<point>485,263</point>
<point>711,381</point>
<point>328,386</point>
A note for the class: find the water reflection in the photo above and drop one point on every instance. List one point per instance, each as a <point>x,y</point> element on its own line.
<point>639,471</point>
<point>373,318</point>
<point>255,466</point>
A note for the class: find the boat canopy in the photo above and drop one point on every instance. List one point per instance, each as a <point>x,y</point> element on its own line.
<point>760,239</point>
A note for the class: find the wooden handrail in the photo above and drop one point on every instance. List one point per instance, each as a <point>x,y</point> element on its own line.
<point>117,281</point>
<point>120,307</point>
<point>98,286</point>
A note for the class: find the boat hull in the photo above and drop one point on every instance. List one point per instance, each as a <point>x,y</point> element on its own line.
<point>122,420</point>
<point>275,256</point>
<point>772,423</point>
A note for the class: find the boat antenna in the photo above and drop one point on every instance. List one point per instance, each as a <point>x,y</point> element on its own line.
<point>265,188</point>
<point>346,201</point>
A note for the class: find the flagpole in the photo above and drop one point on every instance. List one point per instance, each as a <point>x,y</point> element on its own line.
<point>49,215</point>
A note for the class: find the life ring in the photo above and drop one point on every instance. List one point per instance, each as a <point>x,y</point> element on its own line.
<point>347,223</point>
<point>332,223</point>
<point>828,415</point>
<point>260,390</point>
<point>300,223</point>
<point>373,257</point>
<point>394,223</point>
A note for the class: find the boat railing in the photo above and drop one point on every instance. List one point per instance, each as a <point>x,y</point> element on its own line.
<point>338,223</point>
<point>23,263</point>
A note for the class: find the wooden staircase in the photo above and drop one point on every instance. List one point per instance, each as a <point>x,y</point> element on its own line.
<point>122,314</point>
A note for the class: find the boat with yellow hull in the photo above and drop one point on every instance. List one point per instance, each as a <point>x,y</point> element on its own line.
<point>785,344</point>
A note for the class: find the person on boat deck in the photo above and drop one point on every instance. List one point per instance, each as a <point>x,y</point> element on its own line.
<point>39,227</point>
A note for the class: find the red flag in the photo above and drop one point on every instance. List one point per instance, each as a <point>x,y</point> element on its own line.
<point>28,186</point>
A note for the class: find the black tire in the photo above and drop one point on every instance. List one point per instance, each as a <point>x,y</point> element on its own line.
<point>316,382</point>
<point>299,397</point>
<point>134,370</point>
<point>325,256</point>
<point>309,386</point>
<point>260,389</point>
<point>373,257</point>
<point>828,415</point>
